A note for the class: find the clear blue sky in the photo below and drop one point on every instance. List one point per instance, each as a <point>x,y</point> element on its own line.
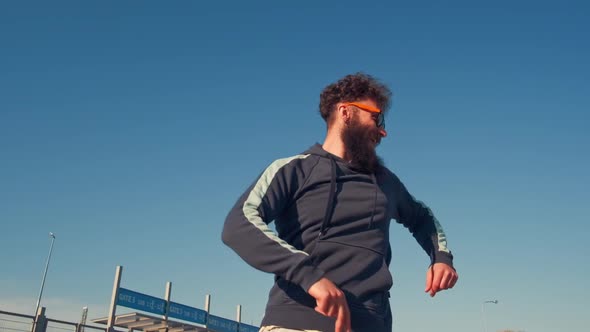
<point>129,128</point>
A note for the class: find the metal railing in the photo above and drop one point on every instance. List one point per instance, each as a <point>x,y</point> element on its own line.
<point>15,322</point>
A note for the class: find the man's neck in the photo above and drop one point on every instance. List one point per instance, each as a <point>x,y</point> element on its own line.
<point>334,145</point>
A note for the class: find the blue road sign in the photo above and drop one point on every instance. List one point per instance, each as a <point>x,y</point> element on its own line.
<point>220,324</point>
<point>187,313</point>
<point>143,302</point>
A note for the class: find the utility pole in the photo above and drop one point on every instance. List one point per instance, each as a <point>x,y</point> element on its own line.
<point>45,273</point>
<point>483,313</point>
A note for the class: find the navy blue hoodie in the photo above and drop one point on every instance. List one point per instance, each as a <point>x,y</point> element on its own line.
<point>343,236</point>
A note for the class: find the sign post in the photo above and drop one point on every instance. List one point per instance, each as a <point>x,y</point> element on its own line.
<point>113,307</point>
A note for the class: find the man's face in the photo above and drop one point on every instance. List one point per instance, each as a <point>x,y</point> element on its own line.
<point>361,136</point>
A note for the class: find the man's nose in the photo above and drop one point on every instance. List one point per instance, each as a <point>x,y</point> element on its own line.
<point>382,132</point>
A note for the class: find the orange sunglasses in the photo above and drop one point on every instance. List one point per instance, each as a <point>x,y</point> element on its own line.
<point>380,121</point>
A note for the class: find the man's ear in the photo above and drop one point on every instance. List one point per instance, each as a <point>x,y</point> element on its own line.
<point>344,113</point>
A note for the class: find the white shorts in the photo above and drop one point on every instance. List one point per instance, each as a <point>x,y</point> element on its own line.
<point>274,328</point>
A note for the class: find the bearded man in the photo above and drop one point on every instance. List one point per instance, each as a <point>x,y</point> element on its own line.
<point>332,206</point>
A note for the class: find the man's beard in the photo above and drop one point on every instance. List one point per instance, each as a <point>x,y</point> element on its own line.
<point>359,146</point>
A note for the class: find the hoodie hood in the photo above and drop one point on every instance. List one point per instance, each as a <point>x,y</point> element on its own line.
<point>318,150</point>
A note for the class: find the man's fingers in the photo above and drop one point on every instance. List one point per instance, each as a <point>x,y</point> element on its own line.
<point>322,307</point>
<point>439,277</point>
<point>326,310</point>
<point>343,319</point>
<point>329,307</point>
<point>318,309</point>
<point>331,302</point>
<point>453,280</point>
<point>340,322</point>
<point>448,280</point>
<point>333,311</point>
<point>435,283</point>
<point>428,279</point>
<point>445,281</point>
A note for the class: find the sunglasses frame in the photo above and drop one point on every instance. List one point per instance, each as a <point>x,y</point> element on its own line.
<point>380,121</point>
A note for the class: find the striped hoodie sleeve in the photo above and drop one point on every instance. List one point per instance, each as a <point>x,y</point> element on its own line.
<point>246,228</point>
<point>424,226</point>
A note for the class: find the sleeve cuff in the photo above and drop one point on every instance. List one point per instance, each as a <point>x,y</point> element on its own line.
<point>307,275</point>
<point>443,257</point>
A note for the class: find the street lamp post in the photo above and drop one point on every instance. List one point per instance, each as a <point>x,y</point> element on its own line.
<point>483,313</point>
<point>45,273</point>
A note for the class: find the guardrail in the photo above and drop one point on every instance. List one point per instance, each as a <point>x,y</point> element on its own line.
<point>15,322</point>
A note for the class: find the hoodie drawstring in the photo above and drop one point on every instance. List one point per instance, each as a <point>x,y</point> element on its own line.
<point>331,199</point>
<point>374,201</point>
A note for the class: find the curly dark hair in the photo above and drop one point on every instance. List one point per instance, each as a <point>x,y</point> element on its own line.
<point>352,88</point>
